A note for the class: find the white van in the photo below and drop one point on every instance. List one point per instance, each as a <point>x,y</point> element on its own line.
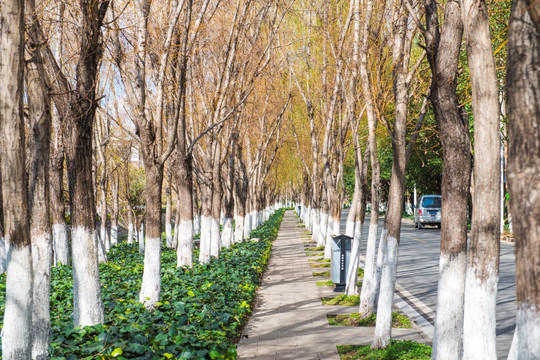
<point>428,211</point>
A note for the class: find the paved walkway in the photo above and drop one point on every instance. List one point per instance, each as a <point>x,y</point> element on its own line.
<point>289,320</point>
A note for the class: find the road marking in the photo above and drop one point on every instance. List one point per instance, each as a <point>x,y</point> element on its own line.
<point>422,241</point>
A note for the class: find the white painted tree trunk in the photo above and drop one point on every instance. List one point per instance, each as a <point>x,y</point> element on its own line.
<point>380,263</point>
<point>239,229</point>
<point>215,243</point>
<point>316,226</point>
<point>528,329</point>
<point>448,336</point>
<point>349,228</point>
<point>228,233</point>
<point>352,272</point>
<point>479,326</point>
<point>329,233</point>
<point>197,225</point>
<point>86,286</point>
<point>104,238</point>
<point>247,226</point>
<point>254,219</point>
<point>114,235</point>
<point>41,320</point>
<point>61,244</point>
<point>131,233</point>
<point>368,294</point>
<point>169,235</point>
<point>141,239</point>
<point>513,353</point>
<point>323,229</point>
<point>102,255</point>
<point>383,325</point>
<point>184,254</point>
<point>336,230</point>
<point>16,337</point>
<point>151,282</point>
<point>206,238</point>
<point>308,221</point>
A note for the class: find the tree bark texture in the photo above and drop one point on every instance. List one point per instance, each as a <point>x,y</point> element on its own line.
<point>40,228</point>
<point>151,283</point>
<point>443,56</point>
<point>483,261</point>
<point>524,168</point>
<point>61,246</point>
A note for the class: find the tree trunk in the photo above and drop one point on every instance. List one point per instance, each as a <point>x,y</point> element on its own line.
<point>76,106</point>
<point>368,294</point>
<point>115,210</point>
<point>215,231</point>
<point>151,282</point>
<point>401,50</point>
<point>168,210</point>
<point>17,327</point>
<point>131,226</point>
<point>184,180</point>
<point>140,235</point>
<point>443,56</point>
<point>228,199</point>
<point>206,223</point>
<point>524,169</point>
<point>483,261</point>
<point>104,244</point>
<point>59,227</point>
<point>40,229</point>
<point>3,249</point>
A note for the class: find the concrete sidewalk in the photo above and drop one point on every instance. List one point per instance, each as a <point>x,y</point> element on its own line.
<point>289,320</point>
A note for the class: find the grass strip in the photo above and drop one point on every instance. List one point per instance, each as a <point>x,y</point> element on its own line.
<point>354,319</point>
<point>396,350</point>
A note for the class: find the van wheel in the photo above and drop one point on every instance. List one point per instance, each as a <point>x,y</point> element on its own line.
<point>420,226</point>
<point>438,226</point>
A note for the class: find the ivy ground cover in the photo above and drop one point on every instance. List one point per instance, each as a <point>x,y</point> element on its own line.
<point>200,316</point>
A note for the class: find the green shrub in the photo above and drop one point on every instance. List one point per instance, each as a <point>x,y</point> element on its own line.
<point>200,315</point>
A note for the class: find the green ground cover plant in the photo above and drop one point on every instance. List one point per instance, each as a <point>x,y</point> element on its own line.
<point>342,300</point>
<point>200,315</point>
<point>319,265</point>
<point>322,273</point>
<point>396,350</point>
<point>324,283</point>
<point>354,319</point>
<point>323,260</point>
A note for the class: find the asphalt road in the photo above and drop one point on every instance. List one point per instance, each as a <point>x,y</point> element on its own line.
<point>418,271</point>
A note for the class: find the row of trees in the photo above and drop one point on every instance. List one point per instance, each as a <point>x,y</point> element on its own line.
<point>401,57</point>
<point>215,97</point>
<point>185,84</point>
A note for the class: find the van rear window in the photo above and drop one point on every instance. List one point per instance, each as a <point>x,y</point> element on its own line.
<point>431,202</point>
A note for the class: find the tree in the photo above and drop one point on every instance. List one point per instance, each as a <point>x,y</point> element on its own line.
<point>368,294</point>
<point>403,32</point>
<point>524,168</point>
<point>17,329</point>
<point>40,228</point>
<point>76,104</point>
<point>443,48</point>
<point>483,260</point>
